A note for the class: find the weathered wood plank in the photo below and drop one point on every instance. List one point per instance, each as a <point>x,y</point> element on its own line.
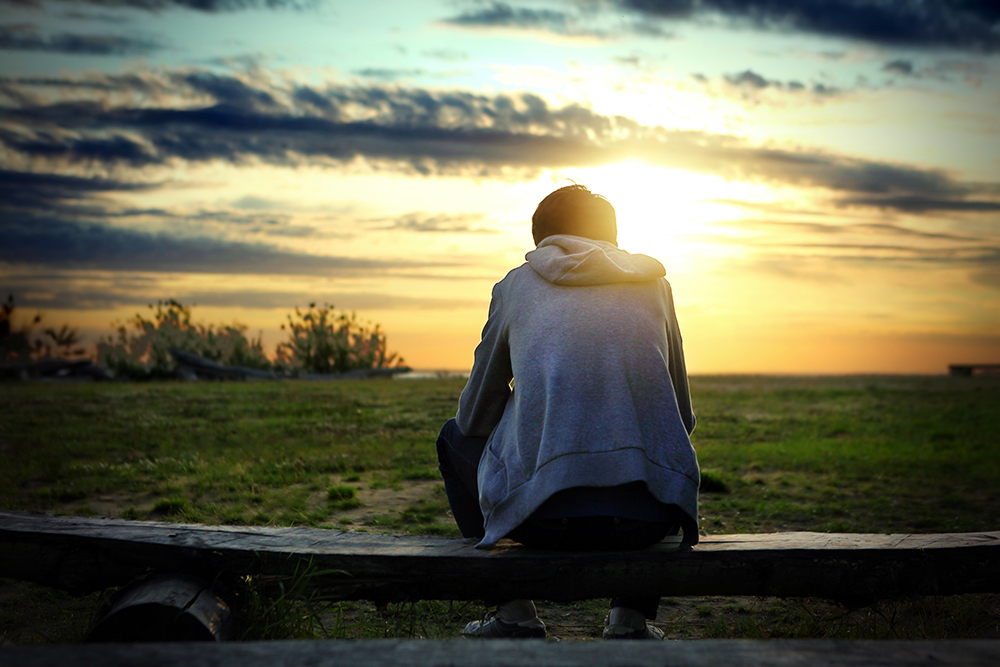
<point>83,554</point>
<point>511,653</point>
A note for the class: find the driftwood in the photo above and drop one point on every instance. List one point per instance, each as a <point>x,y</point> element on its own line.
<point>86,554</point>
<point>191,366</point>
<point>513,653</point>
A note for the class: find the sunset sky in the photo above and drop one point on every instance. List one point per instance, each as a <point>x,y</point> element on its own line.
<point>820,179</point>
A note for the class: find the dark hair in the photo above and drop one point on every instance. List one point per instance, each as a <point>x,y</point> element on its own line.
<point>575,210</point>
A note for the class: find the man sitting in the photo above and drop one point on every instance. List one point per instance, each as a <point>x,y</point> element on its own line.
<point>572,432</point>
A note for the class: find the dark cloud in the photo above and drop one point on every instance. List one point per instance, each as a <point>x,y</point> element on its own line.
<point>49,82</point>
<point>972,73</point>
<point>433,132</point>
<point>206,6</point>
<point>60,221</point>
<point>752,81</point>
<point>968,25</point>
<point>903,67</point>
<point>66,245</point>
<point>748,78</point>
<point>37,194</point>
<point>502,15</point>
<point>919,204</point>
<point>228,90</point>
<point>581,24</point>
<point>27,38</point>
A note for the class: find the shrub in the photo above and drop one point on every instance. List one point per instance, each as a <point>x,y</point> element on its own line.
<point>23,344</point>
<point>141,347</point>
<point>321,341</point>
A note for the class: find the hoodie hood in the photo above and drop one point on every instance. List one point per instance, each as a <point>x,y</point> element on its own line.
<point>573,260</point>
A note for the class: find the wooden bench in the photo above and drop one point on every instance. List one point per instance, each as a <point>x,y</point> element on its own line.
<point>86,554</point>
<point>510,653</point>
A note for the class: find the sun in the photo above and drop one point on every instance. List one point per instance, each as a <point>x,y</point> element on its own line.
<point>663,212</point>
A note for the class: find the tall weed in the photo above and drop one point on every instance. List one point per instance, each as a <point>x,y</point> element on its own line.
<point>141,347</point>
<point>321,341</point>
<point>22,343</point>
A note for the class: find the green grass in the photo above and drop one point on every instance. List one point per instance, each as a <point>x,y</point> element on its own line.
<point>835,454</point>
<point>216,452</point>
<point>849,454</point>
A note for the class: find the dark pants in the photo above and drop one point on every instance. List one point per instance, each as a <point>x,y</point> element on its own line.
<point>458,459</point>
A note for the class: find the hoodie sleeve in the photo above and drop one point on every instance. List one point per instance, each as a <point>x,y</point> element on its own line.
<point>485,395</point>
<point>676,365</point>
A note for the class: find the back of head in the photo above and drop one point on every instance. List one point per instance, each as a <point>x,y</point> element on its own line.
<point>575,210</point>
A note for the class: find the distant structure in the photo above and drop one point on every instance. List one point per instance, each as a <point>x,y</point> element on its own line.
<point>967,370</point>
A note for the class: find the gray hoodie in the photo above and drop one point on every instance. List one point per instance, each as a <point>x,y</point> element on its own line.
<point>587,332</point>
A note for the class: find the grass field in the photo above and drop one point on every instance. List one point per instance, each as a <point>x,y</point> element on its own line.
<point>837,454</point>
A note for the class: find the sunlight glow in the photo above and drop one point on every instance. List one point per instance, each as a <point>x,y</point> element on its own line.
<point>663,212</point>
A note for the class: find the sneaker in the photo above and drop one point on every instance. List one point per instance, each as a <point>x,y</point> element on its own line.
<point>494,627</point>
<point>626,632</point>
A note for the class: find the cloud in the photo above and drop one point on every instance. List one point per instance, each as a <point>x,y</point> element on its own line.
<point>27,38</point>
<point>364,301</point>
<point>902,67</point>
<point>238,120</point>
<point>50,220</point>
<point>585,24</point>
<point>389,74</point>
<point>501,15</point>
<point>440,223</point>
<point>206,6</point>
<point>63,291</point>
<point>967,25</point>
<point>918,204</point>
<point>38,194</point>
<point>750,80</point>
<point>971,72</point>
<point>808,250</point>
<point>888,230</point>
<point>68,245</point>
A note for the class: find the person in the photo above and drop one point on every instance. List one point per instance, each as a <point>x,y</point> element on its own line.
<point>572,432</point>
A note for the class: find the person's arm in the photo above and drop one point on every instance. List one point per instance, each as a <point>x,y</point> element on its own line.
<point>677,368</point>
<point>485,395</point>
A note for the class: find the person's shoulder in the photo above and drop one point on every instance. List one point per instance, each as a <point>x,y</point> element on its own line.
<point>516,274</point>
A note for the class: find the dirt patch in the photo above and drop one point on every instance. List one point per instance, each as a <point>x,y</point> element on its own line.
<point>387,502</point>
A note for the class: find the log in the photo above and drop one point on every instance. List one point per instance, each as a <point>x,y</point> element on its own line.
<point>514,653</point>
<point>86,554</point>
<point>166,608</point>
<point>193,366</point>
